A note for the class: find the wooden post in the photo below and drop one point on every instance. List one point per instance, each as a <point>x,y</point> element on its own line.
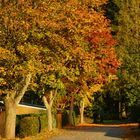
<point>59,120</point>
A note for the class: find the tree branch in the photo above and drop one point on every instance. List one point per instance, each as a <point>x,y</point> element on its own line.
<point>45,101</point>
<point>52,97</point>
<point>20,94</point>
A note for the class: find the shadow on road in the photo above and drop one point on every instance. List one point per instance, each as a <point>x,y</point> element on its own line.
<point>101,130</point>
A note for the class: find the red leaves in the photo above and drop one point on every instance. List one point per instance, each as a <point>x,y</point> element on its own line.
<point>105,56</point>
<point>103,38</point>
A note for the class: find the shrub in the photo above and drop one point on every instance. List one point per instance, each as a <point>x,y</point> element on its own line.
<point>43,121</point>
<point>28,125</point>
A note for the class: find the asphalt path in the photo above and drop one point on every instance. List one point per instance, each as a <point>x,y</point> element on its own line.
<point>92,133</point>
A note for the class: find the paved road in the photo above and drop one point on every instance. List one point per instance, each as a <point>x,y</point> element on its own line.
<point>92,133</point>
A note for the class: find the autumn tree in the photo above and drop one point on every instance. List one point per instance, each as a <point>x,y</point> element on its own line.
<point>24,51</point>
<point>75,53</point>
<point>50,87</point>
<point>94,61</point>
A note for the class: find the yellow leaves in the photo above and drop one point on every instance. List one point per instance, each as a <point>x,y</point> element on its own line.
<point>86,101</point>
<point>30,66</point>
<point>2,70</point>
<point>2,82</point>
<point>111,77</point>
<point>2,73</point>
<point>29,50</point>
<point>6,54</point>
<point>26,55</point>
<point>20,48</point>
<point>86,92</point>
<point>29,11</point>
<point>23,36</point>
<point>95,88</point>
<point>89,90</point>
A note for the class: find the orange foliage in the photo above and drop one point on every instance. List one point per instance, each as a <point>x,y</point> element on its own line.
<point>71,38</point>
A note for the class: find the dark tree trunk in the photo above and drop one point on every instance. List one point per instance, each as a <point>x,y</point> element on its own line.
<point>120,110</point>
<point>82,106</point>
<point>71,111</point>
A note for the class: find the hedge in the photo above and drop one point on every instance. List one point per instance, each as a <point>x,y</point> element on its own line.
<point>28,125</point>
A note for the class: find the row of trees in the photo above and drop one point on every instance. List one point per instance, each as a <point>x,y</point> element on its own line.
<point>124,15</point>
<point>54,48</point>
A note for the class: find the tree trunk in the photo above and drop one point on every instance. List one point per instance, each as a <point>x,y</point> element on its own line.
<point>82,105</point>
<point>10,102</point>
<point>120,110</point>
<point>49,116</point>
<point>71,111</point>
<point>124,116</point>
<point>10,118</point>
<point>48,104</point>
